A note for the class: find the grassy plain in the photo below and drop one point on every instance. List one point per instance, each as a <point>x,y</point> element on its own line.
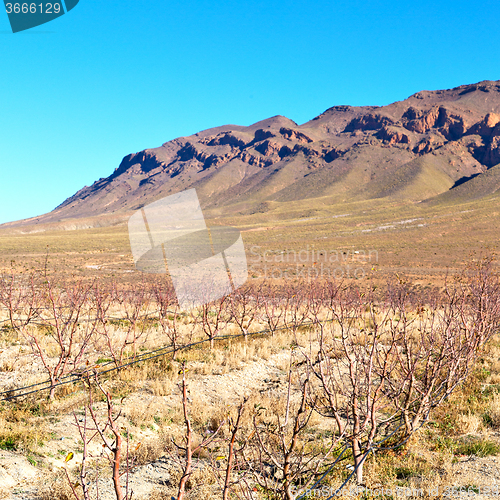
<point>418,240</point>
<point>378,239</point>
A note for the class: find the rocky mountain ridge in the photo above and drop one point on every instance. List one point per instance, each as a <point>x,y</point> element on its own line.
<point>432,144</point>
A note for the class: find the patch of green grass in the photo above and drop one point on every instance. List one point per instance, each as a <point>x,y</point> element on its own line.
<point>103,360</point>
<point>478,446</point>
<point>472,488</point>
<point>126,434</point>
<point>405,472</point>
<point>487,420</point>
<point>443,443</point>
<point>397,467</point>
<point>125,323</point>
<point>469,445</point>
<point>9,443</point>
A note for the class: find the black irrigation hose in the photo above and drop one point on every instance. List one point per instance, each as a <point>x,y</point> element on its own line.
<point>374,448</point>
<point>72,376</point>
<point>8,395</point>
<point>67,379</point>
<point>313,487</point>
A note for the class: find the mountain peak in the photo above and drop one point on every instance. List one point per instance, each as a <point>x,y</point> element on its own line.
<point>414,149</point>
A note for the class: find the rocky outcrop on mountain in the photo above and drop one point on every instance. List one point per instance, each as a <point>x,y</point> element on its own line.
<point>391,136</point>
<point>295,135</point>
<point>448,124</point>
<point>368,122</point>
<point>426,145</point>
<point>488,126</point>
<point>224,139</point>
<point>492,155</point>
<point>346,153</point>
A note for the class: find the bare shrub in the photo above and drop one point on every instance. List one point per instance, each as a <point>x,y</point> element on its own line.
<point>213,317</point>
<point>244,304</point>
<point>65,327</point>
<point>135,306</point>
<point>94,427</point>
<point>282,455</point>
<point>167,311</point>
<point>274,306</point>
<point>190,449</point>
<point>400,359</point>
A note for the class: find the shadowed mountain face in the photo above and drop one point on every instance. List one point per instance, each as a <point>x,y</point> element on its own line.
<point>442,144</point>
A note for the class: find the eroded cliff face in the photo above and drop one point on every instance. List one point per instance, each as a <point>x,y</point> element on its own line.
<point>352,150</point>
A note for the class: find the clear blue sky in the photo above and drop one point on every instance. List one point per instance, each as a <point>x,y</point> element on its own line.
<point>115,77</point>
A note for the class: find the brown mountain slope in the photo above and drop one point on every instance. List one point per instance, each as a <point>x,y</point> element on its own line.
<point>429,144</point>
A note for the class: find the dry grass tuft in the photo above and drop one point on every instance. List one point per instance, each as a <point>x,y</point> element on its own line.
<point>469,424</point>
<point>494,411</point>
<point>57,488</point>
<point>22,426</point>
<point>148,451</point>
